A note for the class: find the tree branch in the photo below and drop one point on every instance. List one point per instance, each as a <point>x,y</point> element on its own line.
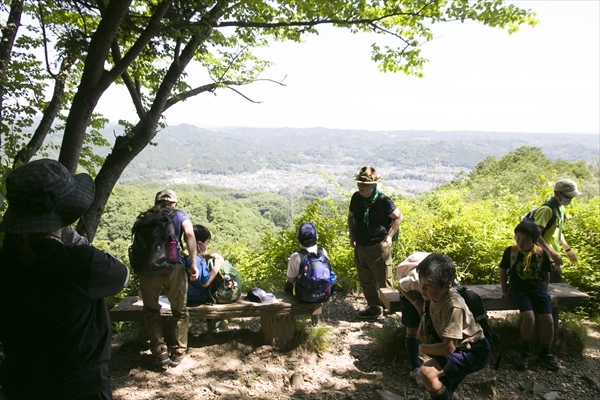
<point>48,116</point>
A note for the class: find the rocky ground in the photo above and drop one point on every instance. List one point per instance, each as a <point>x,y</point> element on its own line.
<point>233,362</point>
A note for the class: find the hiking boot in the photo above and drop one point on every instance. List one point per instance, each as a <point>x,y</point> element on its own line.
<point>550,362</point>
<point>416,374</point>
<point>522,359</point>
<point>370,312</point>
<point>162,358</point>
<point>176,359</point>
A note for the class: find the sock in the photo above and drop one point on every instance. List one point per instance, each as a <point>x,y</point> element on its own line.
<point>442,394</point>
<point>545,349</point>
<point>526,346</point>
<point>411,344</point>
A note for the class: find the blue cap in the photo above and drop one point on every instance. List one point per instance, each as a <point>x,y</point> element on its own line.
<point>307,231</point>
<point>257,295</point>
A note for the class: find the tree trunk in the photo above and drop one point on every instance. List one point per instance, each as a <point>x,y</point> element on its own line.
<point>94,82</point>
<point>127,148</point>
<point>9,33</point>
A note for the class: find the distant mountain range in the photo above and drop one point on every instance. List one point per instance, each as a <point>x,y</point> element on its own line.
<point>251,156</point>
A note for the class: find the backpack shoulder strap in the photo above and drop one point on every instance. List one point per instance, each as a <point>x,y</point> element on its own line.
<point>554,208</point>
<point>514,253</point>
<point>539,255</point>
<point>320,251</point>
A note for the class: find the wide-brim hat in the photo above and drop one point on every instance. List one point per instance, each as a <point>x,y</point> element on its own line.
<point>368,175</point>
<point>43,197</point>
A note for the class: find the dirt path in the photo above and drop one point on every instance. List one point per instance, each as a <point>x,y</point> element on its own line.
<point>236,359</point>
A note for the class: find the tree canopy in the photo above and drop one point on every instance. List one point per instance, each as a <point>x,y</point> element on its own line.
<point>58,58</point>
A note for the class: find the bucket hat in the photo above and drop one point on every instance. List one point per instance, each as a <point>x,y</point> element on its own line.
<point>368,175</point>
<point>257,295</point>
<point>568,187</point>
<point>43,197</point>
<point>166,195</point>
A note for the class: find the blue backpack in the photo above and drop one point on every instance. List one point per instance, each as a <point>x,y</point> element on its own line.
<point>316,279</point>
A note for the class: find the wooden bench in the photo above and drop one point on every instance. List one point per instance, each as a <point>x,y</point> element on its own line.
<point>567,296</point>
<point>277,319</point>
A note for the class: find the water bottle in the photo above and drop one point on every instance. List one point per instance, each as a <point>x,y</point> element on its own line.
<point>171,250</point>
<point>333,278</point>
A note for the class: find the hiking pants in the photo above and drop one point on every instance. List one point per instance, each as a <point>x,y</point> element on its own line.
<point>175,287</point>
<point>374,267</point>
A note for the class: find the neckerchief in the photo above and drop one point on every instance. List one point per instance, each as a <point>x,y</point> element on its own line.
<point>372,199</point>
<point>527,258</point>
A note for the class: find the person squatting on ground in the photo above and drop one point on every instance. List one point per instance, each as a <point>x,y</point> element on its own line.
<point>373,220</point>
<point>411,303</point>
<point>174,283</point>
<point>527,267</point>
<point>460,347</point>
<point>552,239</point>
<point>199,289</point>
<point>54,324</point>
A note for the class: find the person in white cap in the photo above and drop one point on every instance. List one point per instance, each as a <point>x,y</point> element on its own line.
<point>550,217</point>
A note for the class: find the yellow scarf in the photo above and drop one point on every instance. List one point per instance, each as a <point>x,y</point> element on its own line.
<point>527,258</point>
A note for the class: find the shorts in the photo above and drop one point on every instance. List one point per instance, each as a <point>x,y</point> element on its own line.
<point>410,315</point>
<point>462,363</point>
<point>537,300</point>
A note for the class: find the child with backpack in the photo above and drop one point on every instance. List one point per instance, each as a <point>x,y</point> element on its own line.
<point>199,290</point>
<point>309,274</point>
<point>527,267</point>
<point>462,347</point>
<point>217,282</point>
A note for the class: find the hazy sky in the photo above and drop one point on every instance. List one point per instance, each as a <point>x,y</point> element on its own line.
<point>542,79</point>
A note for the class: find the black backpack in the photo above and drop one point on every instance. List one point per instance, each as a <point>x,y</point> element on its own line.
<point>530,216</point>
<point>154,248</point>
<point>475,304</point>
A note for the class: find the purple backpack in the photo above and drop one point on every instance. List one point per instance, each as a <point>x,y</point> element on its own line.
<point>316,278</point>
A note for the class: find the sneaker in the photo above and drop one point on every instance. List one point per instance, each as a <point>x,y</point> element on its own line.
<point>162,358</point>
<point>416,374</point>
<point>522,359</point>
<point>550,362</point>
<point>370,312</point>
<point>176,359</point>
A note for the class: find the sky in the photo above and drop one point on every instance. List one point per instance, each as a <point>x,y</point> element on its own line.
<point>544,79</point>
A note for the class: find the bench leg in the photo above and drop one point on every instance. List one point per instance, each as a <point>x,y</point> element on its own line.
<point>278,330</point>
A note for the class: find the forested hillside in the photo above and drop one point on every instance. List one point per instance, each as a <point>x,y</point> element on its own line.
<point>470,218</point>
<point>314,161</point>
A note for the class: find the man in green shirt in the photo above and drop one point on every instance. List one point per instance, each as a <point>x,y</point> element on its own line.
<point>550,218</point>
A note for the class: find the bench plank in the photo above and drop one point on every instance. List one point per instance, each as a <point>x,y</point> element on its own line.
<point>567,296</point>
<point>277,318</point>
<point>130,308</point>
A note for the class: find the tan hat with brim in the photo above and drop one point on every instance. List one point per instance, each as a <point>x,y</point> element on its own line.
<point>368,175</point>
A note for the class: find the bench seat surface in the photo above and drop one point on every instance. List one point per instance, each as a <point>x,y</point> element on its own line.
<point>567,296</point>
<point>130,308</point>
